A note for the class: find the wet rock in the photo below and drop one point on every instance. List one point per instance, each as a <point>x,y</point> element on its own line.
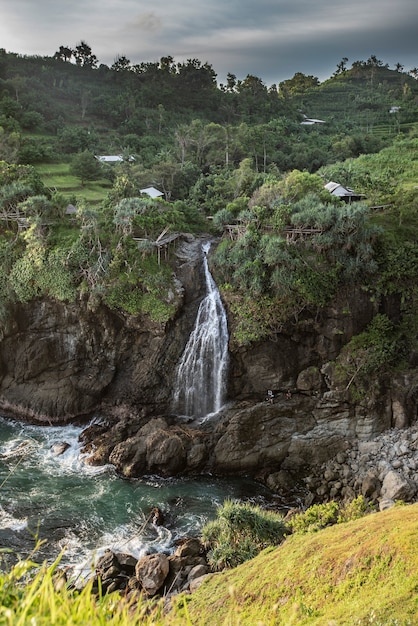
<point>157,516</point>
<point>189,548</point>
<point>60,448</point>
<point>151,571</point>
<point>166,453</point>
<point>281,481</point>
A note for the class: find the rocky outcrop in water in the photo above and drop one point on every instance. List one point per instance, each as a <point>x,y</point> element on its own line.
<point>303,437</point>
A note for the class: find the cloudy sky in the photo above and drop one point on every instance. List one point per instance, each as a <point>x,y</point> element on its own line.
<point>270,39</point>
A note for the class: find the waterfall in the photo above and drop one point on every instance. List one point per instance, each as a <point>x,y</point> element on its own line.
<point>200,383</point>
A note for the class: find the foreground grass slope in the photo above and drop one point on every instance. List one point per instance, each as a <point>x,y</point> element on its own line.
<point>351,574</point>
<point>360,572</point>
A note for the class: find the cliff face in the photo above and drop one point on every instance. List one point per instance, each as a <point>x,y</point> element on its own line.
<point>60,361</point>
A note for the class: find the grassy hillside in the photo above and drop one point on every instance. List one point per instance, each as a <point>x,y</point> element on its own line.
<point>361,572</point>
<point>353,574</point>
<point>361,98</point>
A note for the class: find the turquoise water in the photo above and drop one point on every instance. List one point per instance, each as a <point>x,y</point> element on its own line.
<point>83,510</point>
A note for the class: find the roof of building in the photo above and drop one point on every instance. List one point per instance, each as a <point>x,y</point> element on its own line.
<point>152,192</point>
<point>113,158</point>
<point>110,158</point>
<point>308,121</point>
<point>336,189</point>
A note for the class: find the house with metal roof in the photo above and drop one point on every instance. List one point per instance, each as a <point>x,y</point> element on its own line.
<point>345,193</point>
<point>152,192</point>
<point>309,121</point>
<point>113,158</point>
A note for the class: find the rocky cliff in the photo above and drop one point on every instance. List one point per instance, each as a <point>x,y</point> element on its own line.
<point>60,362</point>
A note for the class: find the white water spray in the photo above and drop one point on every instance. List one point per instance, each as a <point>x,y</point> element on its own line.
<point>200,383</point>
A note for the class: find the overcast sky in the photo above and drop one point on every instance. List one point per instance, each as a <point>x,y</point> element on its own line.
<point>270,39</point>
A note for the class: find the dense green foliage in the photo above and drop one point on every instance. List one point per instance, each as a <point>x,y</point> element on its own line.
<point>320,516</point>
<point>236,154</point>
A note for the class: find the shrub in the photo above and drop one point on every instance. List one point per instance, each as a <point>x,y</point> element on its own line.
<point>320,516</point>
<point>315,518</point>
<point>240,532</point>
<point>359,507</point>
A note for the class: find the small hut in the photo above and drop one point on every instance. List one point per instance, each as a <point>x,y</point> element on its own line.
<point>344,193</point>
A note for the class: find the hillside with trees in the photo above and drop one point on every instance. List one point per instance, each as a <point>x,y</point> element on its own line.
<point>237,160</point>
<point>89,295</point>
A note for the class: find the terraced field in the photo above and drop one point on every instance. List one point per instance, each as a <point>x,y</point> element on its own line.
<point>57,177</point>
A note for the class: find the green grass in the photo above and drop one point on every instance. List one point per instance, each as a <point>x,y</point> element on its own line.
<point>357,573</point>
<point>56,176</point>
<point>46,599</point>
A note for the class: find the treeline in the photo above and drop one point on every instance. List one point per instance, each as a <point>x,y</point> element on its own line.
<point>178,110</point>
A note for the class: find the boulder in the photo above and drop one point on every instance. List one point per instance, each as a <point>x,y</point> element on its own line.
<point>151,571</point>
<point>371,486</point>
<point>189,548</point>
<point>60,447</point>
<point>196,582</point>
<point>397,487</point>
<point>197,572</point>
<point>309,380</point>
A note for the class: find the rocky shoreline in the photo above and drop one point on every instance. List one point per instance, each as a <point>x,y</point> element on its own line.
<point>383,469</point>
<point>158,574</point>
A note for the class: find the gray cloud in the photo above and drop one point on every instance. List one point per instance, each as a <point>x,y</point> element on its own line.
<point>271,39</point>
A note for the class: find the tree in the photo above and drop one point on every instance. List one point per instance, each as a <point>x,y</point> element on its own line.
<point>83,55</point>
<point>64,53</point>
<point>341,66</point>
<point>74,139</point>
<point>85,167</point>
<point>121,64</point>
<point>182,136</point>
<point>297,85</point>
<point>9,146</point>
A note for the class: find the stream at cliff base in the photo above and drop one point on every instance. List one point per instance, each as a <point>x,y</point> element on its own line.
<point>83,510</point>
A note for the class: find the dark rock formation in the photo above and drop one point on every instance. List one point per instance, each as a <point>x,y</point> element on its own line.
<point>59,362</point>
<point>153,574</point>
<point>383,469</point>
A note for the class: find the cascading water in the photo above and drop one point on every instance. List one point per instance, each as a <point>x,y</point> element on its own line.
<point>200,384</point>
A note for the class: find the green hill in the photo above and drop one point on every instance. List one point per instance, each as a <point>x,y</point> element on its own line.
<point>360,572</point>
<point>362,98</point>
